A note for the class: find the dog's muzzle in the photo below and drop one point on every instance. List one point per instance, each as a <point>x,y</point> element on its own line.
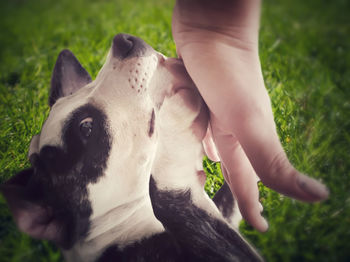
<point>127,46</point>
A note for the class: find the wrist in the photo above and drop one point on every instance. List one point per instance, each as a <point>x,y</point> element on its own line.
<point>224,57</point>
<point>245,46</point>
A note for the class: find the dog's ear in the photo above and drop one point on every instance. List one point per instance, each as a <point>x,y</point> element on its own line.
<point>31,217</point>
<point>68,76</point>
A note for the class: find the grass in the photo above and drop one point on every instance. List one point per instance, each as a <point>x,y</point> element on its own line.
<point>305,55</point>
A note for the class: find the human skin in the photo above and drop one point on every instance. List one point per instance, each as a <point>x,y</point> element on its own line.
<point>218,42</point>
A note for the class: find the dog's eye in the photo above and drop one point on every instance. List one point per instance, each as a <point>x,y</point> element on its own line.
<point>86,127</point>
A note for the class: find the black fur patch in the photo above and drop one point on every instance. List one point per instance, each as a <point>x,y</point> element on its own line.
<point>224,201</point>
<point>200,236</point>
<point>191,235</point>
<point>67,77</point>
<point>62,174</point>
<point>158,248</point>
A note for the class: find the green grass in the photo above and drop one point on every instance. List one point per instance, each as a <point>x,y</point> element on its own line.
<point>305,55</point>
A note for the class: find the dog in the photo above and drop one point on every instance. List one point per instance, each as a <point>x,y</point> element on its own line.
<point>116,171</point>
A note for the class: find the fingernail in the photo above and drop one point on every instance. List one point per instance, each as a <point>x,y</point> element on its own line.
<point>262,225</point>
<point>313,187</point>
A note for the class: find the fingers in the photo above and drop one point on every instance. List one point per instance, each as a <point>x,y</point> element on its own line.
<point>241,178</point>
<point>247,194</point>
<point>209,146</point>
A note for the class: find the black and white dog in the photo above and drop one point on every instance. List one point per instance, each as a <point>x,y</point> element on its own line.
<point>116,171</point>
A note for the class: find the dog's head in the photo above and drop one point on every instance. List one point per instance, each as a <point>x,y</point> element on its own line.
<point>102,139</point>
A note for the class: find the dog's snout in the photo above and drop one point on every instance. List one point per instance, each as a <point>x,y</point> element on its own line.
<point>128,46</point>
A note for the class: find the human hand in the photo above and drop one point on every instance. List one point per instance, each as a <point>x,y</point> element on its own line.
<point>218,42</point>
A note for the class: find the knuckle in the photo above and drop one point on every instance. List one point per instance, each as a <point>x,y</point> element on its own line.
<point>278,170</point>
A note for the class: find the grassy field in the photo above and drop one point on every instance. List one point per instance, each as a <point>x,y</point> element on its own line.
<point>305,53</point>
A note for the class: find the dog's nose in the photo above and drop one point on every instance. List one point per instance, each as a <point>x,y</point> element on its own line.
<point>128,46</point>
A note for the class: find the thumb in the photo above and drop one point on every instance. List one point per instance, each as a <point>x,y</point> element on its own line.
<point>284,178</point>
<point>257,135</point>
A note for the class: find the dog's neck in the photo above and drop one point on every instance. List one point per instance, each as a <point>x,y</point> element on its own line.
<point>178,161</point>
<point>122,225</point>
